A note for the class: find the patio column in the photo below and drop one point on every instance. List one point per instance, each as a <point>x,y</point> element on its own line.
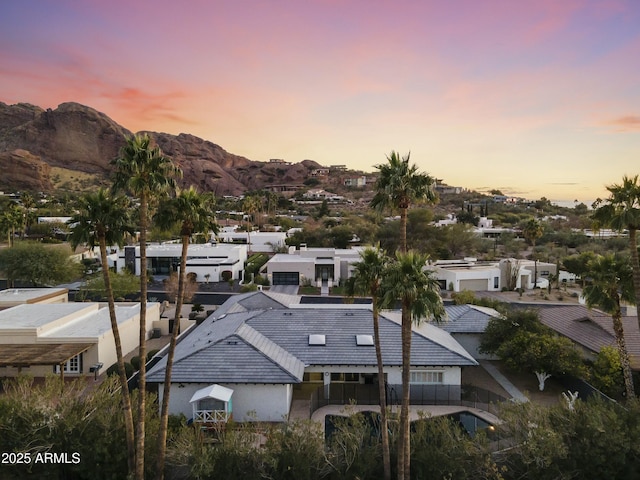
<point>327,382</point>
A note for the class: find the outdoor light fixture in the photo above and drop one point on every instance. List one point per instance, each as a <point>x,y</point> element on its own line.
<point>95,368</point>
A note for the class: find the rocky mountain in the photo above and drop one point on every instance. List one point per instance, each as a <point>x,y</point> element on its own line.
<point>78,138</point>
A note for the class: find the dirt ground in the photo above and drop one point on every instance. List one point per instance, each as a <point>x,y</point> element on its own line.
<point>527,383</point>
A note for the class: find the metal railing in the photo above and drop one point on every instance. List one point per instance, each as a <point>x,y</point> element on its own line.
<point>345,394</point>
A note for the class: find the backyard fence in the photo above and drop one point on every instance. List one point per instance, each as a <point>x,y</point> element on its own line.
<point>347,393</point>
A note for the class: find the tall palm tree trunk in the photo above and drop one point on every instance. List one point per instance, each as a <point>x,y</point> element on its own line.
<point>635,265</point>
<point>126,398</point>
<point>624,356</point>
<point>384,432</point>
<point>164,414</point>
<point>142,351</point>
<point>404,446</point>
<point>403,230</point>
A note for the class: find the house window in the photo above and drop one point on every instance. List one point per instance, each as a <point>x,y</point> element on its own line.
<point>426,377</point>
<point>544,273</point>
<point>73,365</point>
<point>496,282</point>
<point>345,377</point>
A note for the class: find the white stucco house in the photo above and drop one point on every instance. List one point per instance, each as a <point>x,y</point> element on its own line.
<point>313,265</point>
<point>471,274</point>
<point>19,296</point>
<point>259,241</point>
<point>263,349</point>
<point>202,259</point>
<point>38,339</point>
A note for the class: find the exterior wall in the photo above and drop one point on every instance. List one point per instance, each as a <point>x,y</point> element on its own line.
<point>454,277</point>
<point>260,241</point>
<point>201,259</point>
<point>251,402</point>
<point>307,270</point>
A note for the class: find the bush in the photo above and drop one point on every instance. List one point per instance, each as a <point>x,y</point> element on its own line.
<point>128,368</point>
<point>151,354</point>
<point>464,297</point>
<point>260,280</point>
<point>135,362</point>
<point>252,287</point>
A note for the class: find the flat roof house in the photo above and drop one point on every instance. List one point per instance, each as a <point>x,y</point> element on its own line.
<point>202,259</point>
<point>19,296</point>
<point>39,339</point>
<point>314,265</point>
<point>263,354</point>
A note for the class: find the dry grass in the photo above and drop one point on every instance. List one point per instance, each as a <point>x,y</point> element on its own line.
<point>73,180</point>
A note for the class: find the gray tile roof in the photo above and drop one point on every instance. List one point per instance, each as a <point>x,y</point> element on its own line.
<point>592,328</point>
<point>265,300</point>
<point>467,318</point>
<point>272,346</point>
<point>229,351</point>
<point>577,324</point>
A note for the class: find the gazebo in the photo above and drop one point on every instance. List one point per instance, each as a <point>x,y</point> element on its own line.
<point>212,404</point>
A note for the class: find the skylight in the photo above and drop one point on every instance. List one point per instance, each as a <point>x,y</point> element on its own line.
<point>364,340</point>
<point>317,339</point>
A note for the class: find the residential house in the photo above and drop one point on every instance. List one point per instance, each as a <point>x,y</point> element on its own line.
<point>265,354</point>
<point>41,338</point>
<point>260,241</point>
<point>591,330</point>
<point>19,296</point>
<point>316,266</point>
<point>219,260</point>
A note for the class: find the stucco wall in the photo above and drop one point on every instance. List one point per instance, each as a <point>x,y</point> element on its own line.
<point>268,403</point>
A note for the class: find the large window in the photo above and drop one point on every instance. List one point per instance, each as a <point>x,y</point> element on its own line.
<point>426,377</point>
<point>345,377</point>
<point>73,365</point>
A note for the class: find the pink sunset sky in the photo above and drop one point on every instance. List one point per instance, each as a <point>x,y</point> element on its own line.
<point>537,98</point>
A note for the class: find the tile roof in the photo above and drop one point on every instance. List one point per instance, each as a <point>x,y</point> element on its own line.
<point>467,318</point>
<point>272,346</point>
<point>576,323</point>
<point>256,301</point>
<point>229,351</point>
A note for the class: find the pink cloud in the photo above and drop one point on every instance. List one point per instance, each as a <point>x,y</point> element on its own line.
<point>626,123</point>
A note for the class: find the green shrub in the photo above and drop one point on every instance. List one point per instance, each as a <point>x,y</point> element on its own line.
<point>252,287</point>
<point>135,362</point>
<point>128,368</point>
<point>151,354</point>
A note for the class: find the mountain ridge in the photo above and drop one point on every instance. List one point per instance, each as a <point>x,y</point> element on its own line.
<point>79,138</point>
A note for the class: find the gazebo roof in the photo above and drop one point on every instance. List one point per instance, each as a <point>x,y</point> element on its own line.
<point>212,391</point>
<point>40,354</point>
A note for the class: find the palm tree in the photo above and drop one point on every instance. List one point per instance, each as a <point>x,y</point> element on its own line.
<point>146,173</point>
<point>194,212</point>
<point>251,206</point>
<point>622,211</point>
<point>418,291</point>
<point>11,219</point>
<point>399,185</point>
<point>104,220</point>
<point>367,280</point>
<point>532,231</point>
<point>612,280</point>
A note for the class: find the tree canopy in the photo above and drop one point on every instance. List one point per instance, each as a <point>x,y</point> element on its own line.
<point>38,264</point>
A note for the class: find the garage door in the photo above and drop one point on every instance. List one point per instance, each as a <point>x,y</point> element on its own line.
<point>285,278</point>
<point>473,285</point>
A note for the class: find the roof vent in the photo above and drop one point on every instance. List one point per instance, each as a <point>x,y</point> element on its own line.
<point>232,342</point>
<point>317,339</point>
<point>364,340</point>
